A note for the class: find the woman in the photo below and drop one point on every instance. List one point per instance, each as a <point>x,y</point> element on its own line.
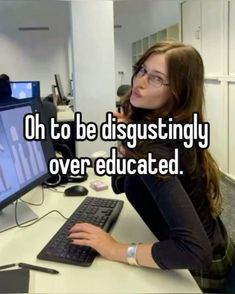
<point>182,211</point>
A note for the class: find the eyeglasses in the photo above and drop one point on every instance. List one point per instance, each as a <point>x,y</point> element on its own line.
<point>153,79</point>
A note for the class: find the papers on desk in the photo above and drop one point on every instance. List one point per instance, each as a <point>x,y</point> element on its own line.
<point>63,108</point>
<point>65,113</point>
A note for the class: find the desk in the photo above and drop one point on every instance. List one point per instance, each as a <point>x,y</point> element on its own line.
<point>65,116</point>
<point>103,276</point>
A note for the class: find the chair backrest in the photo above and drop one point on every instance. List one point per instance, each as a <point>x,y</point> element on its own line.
<point>122,90</point>
<point>61,147</point>
<point>49,110</point>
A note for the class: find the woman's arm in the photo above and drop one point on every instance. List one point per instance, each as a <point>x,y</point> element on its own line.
<point>105,245</point>
<point>188,245</point>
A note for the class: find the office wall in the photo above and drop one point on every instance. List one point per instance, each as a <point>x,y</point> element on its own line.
<point>138,19</point>
<point>93,52</point>
<point>209,26</point>
<point>35,55</point>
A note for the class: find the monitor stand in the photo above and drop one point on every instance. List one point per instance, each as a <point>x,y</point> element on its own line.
<point>7,216</point>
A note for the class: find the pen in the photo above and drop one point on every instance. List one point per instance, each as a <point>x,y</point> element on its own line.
<point>38,268</point>
<point>7,265</point>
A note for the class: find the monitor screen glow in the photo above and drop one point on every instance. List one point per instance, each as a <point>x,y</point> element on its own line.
<point>25,89</point>
<point>23,163</point>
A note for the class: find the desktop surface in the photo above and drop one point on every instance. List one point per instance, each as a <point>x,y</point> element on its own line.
<point>103,276</point>
<point>65,113</point>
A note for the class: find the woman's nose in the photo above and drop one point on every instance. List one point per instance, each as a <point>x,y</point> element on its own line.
<point>142,82</point>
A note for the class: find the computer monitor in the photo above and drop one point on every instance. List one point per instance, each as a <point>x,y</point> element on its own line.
<point>25,89</point>
<point>62,100</point>
<point>23,163</point>
<point>55,96</point>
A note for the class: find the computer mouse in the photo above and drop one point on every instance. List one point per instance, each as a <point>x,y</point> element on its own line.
<point>76,190</point>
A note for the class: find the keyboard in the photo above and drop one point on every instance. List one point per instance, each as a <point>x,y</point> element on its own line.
<point>102,212</point>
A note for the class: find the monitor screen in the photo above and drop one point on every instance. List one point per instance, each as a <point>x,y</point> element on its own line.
<point>23,163</point>
<point>25,89</point>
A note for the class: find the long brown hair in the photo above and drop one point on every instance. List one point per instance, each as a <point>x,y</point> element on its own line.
<point>186,82</point>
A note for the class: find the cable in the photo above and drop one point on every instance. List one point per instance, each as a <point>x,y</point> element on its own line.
<point>55,189</point>
<point>36,204</point>
<point>24,226</point>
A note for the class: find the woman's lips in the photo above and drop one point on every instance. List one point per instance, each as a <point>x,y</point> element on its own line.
<point>135,93</point>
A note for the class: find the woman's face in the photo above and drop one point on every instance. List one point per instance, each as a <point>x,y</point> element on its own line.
<point>150,85</point>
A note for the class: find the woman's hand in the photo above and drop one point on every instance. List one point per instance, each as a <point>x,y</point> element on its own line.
<point>121,118</point>
<point>93,236</point>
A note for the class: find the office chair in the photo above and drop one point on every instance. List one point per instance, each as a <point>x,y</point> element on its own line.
<point>121,91</point>
<point>230,285</point>
<point>50,110</point>
<point>61,149</point>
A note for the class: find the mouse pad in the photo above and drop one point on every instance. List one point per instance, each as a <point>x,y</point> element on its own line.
<point>14,281</point>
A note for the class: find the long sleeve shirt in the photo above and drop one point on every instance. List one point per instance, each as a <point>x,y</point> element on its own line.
<point>177,211</point>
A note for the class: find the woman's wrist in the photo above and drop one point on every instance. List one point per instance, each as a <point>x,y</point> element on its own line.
<point>142,254</point>
<point>118,252</point>
<point>131,254</point>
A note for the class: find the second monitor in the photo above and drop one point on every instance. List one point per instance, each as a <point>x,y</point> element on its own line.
<point>25,89</point>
